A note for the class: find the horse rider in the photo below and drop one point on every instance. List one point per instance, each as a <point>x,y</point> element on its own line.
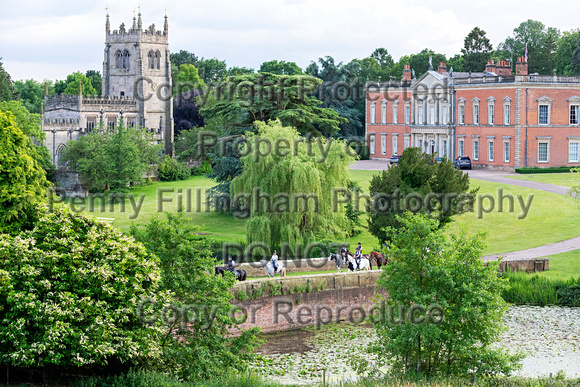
<point>274,261</point>
<point>231,265</point>
<point>358,255</point>
<point>343,253</point>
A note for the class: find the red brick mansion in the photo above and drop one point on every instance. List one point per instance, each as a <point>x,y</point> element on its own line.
<point>497,118</point>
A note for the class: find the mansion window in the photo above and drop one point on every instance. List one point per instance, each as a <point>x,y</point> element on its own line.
<point>506,114</point>
<point>490,114</point>
<point>407,114</point>
<point>131,121</point>
<point>444,148</point>
<point>475,114</point>
<point>407,142</point>
<point>573,151</point>
<point>111,121</point>
<point>543,152</point>
<point>574,110</point>
<point>373,112</point>
<point>461,147</point>
<point>372,144</point>
<point>383,112</point>
<point>445,115</point>
<point>420,114</point>
<point>432,115</point>
<point>544,114</point>
<point>461,114</point>
<point>506,152</point>
<point>476,150</point>
<point>383,144</point>
<point>490,150</point>
<point>395,145</point>
<point>395,113</point>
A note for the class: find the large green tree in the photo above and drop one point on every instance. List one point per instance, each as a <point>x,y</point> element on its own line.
<point>567,44</point>
<point>476,50</point>
<point>30,125</point>
<point>418,185</point>
<point>6,86</point>
<point>540,42</point>
<point>458,296</point>
<point>192,350</point>
<point>31,93</point>
<point>187,80</point>
<point>280,67</point>
<point>96,80</point>
<point>299,184</point>
<point>23,181</point>
<point>112,159</point>
<point>73,80</point>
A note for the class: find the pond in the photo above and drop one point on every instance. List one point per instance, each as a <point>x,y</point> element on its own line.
<point>549,336</point>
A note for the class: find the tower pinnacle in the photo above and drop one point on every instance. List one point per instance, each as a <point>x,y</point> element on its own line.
<point>107,24</point>
<point>166,25</point>
<point>139,23</point>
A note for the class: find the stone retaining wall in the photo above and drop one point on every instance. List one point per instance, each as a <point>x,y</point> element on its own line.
<point>320,299</point>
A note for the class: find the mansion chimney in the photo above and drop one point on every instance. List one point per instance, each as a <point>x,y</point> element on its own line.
<point>407,73</point>
<point>442,67</point>
<point>522,66</point>
<point>490,67</point>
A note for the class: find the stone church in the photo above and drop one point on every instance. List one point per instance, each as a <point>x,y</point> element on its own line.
<point>136,88</point>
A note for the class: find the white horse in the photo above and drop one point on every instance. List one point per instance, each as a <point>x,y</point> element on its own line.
<point>270,268</point>
<point>365,264</point>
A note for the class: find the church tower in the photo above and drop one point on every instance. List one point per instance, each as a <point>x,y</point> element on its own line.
<point>137,65</point>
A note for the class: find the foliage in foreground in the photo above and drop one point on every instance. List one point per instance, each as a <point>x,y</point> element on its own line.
<point>70,290</point>
<point>23,181</point>
<point>193,350</point>
<point>428,270</point>
<point>300,206</point>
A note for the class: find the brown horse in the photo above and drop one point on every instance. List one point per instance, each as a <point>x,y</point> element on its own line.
<point>378,258</point>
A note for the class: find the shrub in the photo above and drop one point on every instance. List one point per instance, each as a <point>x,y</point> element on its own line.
<point>530,170</point>
<point>171,170</point>
<point>70,290</point>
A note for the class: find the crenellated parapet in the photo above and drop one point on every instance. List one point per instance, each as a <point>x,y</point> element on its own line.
<point>107,100</point>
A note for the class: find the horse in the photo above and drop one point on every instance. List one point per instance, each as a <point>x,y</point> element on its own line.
<point>337,258</point>
<point>379,258</point>
<point>240,274</point>
<point>365,264</point>
<point>270,268</point>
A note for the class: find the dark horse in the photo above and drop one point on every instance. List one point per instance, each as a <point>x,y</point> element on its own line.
<point>378,258</point>
<point>337,258</point>
<point>240,274</point>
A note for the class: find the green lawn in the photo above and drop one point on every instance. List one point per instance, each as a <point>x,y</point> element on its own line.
<point>563,266</point>
<point>562,179</point>
<point>551,218</point>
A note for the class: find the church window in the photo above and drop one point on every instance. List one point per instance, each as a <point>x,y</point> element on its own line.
<point>157,60</point>
<point>126,59</point>
<point>119,57</point>
<point>151,57</point>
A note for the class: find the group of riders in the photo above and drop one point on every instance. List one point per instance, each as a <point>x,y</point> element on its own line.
<point>343,251</point>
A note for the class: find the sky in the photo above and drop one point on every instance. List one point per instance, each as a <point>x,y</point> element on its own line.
<point>48,39</point>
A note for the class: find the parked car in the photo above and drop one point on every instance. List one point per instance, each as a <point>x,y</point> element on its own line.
<point>395,159</point>
<point>438,160</point>
<point>462,162</point>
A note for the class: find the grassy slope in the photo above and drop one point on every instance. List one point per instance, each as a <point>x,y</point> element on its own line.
<point>562,179</point>
<point>552,217</point>
<point>563,266</point>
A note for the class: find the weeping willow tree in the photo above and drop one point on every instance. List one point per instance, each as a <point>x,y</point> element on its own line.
<point>288,185</point>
